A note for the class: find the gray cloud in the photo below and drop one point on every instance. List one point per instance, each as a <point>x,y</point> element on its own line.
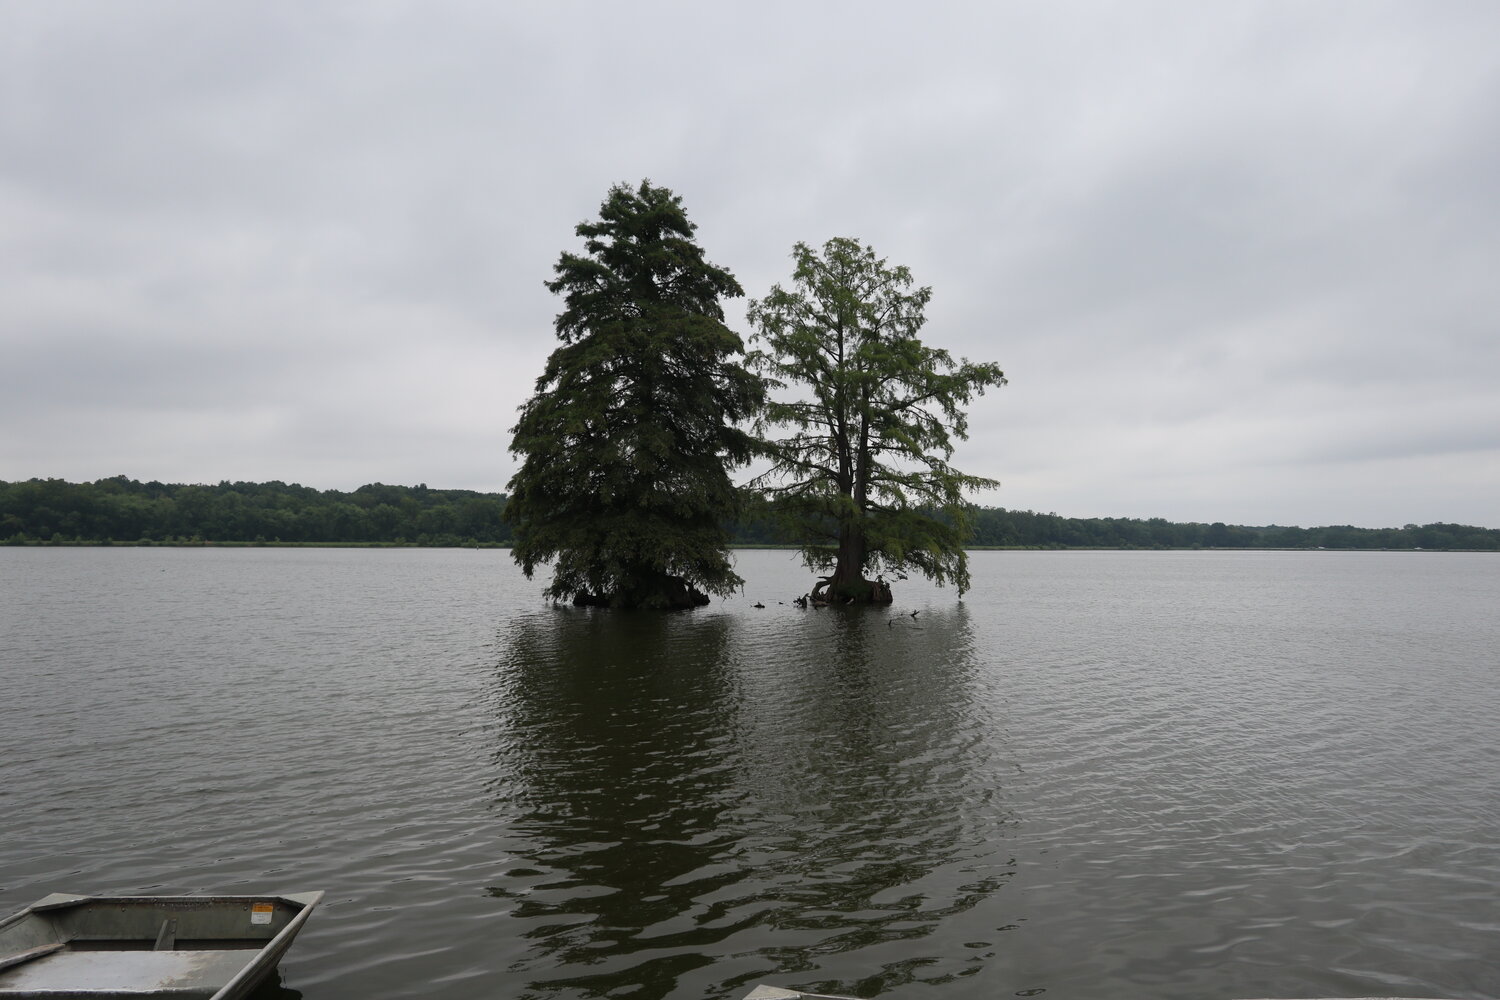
<point>1235,257</point>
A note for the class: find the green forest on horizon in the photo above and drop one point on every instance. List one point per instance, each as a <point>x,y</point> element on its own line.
<point>120,510</point>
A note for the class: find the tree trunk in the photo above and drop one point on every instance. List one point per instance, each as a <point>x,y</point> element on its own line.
<point>848,584</point>
<point>849,570</point>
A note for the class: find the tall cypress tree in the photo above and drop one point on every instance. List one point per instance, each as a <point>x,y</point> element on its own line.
<point>627,444</point>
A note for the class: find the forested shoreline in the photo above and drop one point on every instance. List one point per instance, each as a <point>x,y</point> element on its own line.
<point>128,512</point>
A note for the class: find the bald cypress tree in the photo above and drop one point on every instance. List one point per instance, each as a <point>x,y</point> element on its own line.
<point>627,443</point>
<point>861,469</point>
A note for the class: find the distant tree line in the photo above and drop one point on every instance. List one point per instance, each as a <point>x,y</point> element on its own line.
<point>1027,529</point>
<point>124,510</point>
<point>127,511</point>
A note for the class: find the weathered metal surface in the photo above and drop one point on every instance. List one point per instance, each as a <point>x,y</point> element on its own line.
<point>116,973</point>
<point>215,947</point>
<point>29,954</point>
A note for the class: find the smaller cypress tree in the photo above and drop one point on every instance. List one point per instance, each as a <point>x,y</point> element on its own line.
<point>861,471</point>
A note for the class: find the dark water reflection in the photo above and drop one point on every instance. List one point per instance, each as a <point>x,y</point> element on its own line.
<point>692,807</point>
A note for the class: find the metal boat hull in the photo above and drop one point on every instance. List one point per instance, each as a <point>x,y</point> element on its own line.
<point>213,947</point>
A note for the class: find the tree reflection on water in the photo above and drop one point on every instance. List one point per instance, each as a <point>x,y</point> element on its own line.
<point>701,802</point>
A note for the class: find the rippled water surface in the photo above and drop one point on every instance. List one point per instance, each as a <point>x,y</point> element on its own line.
<point>1166,775</point>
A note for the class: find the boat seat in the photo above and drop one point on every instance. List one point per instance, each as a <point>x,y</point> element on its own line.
<point>125,972</point>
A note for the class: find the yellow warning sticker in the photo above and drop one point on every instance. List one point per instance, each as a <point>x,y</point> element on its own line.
<point>260,913</point>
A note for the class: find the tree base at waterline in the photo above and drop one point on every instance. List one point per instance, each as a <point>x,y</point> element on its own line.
<point>665,593</point>
<point>875,591</point>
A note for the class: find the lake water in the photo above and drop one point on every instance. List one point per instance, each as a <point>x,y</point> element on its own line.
<point>1100,775</point>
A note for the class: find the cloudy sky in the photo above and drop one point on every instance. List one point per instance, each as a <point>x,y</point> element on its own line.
<point>1239,260</point>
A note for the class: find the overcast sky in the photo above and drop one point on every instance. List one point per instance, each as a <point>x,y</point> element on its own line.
<point>1238,260</point>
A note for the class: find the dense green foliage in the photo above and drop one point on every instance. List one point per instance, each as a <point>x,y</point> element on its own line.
<point>124,510</point>
<point>625,447</point>
<point>867,423</point>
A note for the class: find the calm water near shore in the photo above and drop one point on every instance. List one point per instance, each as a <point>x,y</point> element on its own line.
<point>1101,775</point>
